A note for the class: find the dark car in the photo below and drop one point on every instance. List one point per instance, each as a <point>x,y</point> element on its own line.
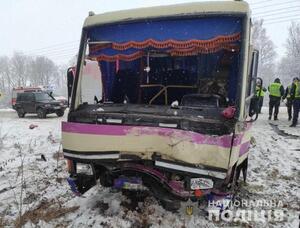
<point>38,102</point>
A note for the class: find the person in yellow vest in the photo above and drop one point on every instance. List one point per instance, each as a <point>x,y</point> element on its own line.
<point>289,101</point>
<point>260,93</point>
<point>295,96</point>
<point>276,92</point>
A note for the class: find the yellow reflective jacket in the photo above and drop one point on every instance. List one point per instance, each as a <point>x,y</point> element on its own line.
<point>259,92</point>
<point>274,89</point>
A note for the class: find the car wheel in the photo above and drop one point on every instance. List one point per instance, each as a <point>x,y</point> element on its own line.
<point>41,113</point>
<point>21,113</point>
<point>60,113</point>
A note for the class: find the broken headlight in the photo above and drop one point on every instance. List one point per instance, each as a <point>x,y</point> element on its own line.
<point>82,168</point>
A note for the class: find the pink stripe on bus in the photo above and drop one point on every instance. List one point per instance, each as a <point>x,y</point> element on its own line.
<point>122,130</point>
<point>244,148</point>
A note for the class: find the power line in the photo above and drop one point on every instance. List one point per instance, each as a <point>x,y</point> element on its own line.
<point>66,46</point>
<point>282,21</point>
<point>291,16</point>
<point>261,2</point>
<point>279,4</point>
<point>270,16</point>
<point>276,10</point>
<point>63,46</point>
<point>55,45</point>
<point>54,51</point>
<point>65,52</point>
<point>62,55</point>
<point>59,53</point>
<point>278,18</point>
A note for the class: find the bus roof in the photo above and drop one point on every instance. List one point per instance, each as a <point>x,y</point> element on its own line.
<point>178,10</point>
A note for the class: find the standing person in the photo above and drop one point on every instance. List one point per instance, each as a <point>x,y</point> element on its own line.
<point>260,93</point>
<point>276,91</point>
<point>289,101</point>
<point>295,95</point>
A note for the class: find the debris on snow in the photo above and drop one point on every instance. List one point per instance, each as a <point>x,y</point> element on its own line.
<point>32,126</point>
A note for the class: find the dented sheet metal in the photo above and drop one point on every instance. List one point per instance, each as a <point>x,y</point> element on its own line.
<point>172,144</point>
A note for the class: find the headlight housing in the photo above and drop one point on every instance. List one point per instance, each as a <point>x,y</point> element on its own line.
<point>82,168</point>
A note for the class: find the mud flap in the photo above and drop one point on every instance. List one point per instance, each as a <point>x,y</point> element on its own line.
<point>81,183</point>
<point>242,167</point>
<point>73,186</point>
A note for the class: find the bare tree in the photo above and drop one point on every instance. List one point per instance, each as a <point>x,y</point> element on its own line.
<point>19,69</point>
<point>293,42</point>
<point>24,70</point>
<point>289,66</point>
<point>62,80</point>
<point>267,53</point>
<point>4,72</point>
<point>43,71</point>
<point>5,80</point>
<point>293,46</point>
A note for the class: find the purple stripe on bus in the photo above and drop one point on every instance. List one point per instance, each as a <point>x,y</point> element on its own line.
<point>121,130</point>
<point>244,148</point>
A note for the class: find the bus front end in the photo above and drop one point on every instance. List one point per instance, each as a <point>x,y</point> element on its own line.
<point>159,101</point>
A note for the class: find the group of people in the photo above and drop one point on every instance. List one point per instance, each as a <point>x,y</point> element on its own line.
<point>277,93</point>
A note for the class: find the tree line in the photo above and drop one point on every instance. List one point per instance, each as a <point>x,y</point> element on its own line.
<point>269,68</point>
<point>23,70</point>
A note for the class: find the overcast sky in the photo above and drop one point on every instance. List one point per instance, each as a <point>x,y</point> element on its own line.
<point>52,27</point>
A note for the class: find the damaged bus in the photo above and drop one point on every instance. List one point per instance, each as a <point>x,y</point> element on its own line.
<point>171,101</point>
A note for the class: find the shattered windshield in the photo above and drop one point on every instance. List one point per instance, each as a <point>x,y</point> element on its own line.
<point>161,62</point>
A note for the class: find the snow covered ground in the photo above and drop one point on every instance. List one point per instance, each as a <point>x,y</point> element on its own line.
<point>33,172</point>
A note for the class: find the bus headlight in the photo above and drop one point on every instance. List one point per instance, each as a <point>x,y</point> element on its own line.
<point>82,168</point>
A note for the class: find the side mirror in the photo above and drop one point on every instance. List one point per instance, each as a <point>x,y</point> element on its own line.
<point>255,99</point>
<point>70,80</point>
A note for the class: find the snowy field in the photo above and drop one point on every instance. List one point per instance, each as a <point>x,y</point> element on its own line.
<point>33,172</point>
